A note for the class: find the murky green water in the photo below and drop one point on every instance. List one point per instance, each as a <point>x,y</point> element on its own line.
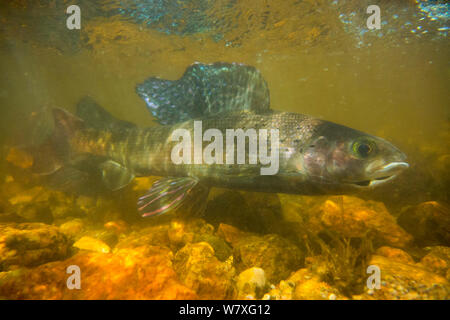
<point>318,58</point>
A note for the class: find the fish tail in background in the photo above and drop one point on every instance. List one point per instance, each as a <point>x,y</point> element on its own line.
<point>58,165</point>
<point>56,150</point>
<point>64,166</point>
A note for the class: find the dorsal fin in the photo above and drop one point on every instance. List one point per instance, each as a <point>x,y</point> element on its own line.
<point>204,90</point>
<point>94,116</point>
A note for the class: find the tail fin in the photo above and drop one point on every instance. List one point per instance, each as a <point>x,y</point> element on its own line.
<point>53,153</point>
<point>65,169</point>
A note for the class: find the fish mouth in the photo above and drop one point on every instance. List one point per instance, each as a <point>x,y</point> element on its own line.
<point>383,175</point>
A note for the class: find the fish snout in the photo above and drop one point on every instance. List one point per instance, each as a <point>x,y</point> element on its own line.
<point>387,172</point>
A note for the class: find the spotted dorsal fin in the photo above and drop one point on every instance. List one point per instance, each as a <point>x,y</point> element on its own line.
<point>205,90</point>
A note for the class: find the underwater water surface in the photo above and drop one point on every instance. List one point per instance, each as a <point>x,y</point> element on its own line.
<point>318,58</point>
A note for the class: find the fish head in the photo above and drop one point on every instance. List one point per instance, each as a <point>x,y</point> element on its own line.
<point>338,155</point>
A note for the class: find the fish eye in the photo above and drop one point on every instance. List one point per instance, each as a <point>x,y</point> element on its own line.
<point>363,147</point>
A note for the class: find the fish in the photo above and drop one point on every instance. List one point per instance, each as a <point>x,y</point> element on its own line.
<point>315,156</point>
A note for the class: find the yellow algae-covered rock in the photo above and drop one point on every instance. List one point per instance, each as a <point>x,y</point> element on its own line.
<point>151,236</point>
<point>221,249</point>
<point>182,232</point>
<point>303,285</point>
<point>173,234</point>
<point>276,255</point>
<point>353,217</point>
<point>85,203</point>
<point>117,226</point>
<point>92,244</point>
<point>26,196</point>
<point>39,204</point>
<point>31,244</point>
<point>400,281</point>
<point>72,228</point>
<point>138,273</point>
<point>273,253</point>
<point>232,234</point>
<point>20,158</point>
<point>199,269</point>
<point>437,260</point>
<point>197,230</point>
<point>395,254</point>
<point>251,283</point>
<point>428,222</point>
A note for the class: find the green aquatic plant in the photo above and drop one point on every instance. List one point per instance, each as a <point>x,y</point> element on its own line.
<point>340,261</point>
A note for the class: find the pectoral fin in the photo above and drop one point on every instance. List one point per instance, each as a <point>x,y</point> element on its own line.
<point>68,179</point>
<point>115,176</point>
<point>168,193</point>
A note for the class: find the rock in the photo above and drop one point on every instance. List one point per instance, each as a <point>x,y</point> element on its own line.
<point>400,281</point>
<point>10,187</point>
<point>176,234</point>
<point>100,209</point>
<point>251,283</point>
<point>20,158</point>
<point>428,222</point>
<point>182,232</point>
<point>139,273</point>
<point>249,211</point>
<point>146,236</point>
<point>276,255</point>
<point>39,204</point>
<point>353,217</point>
<point>232,234</point>
<point>118,226</point>
<point>10,217</point>
<point>199,269</point>
<point>63,205</point>
<point>85,203</point>
<point>72,228</point>
<point>27,196</point>
<point>437,260</point>
<point>303,285</point>
<point>109,237</point>
<point>31,244</point>
<point>32,205</point>
<point>92,244</point>
<point>221,249</point>
<point>395,254</point>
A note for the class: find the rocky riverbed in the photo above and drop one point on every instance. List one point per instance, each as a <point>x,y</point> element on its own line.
<point>245,246</point>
